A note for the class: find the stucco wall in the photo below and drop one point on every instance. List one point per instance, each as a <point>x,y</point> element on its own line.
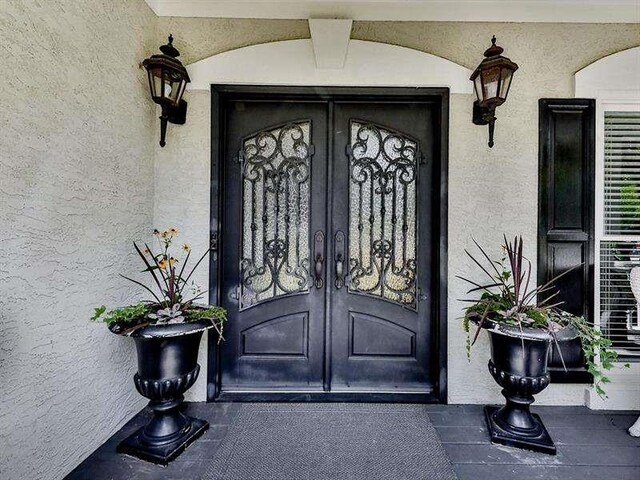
<point>491,190</point>
<point>76,163</point>
<point>79,138</point>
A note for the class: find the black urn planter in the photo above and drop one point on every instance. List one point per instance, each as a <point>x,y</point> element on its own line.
<point>167,367</point>
<point>519,365</point>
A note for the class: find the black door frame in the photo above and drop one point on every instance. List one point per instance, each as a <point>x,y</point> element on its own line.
<point>437,96</point>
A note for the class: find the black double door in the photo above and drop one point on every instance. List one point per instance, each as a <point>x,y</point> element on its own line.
<point>327,259</point>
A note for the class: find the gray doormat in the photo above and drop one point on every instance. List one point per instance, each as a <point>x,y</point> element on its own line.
<point>331,441</point>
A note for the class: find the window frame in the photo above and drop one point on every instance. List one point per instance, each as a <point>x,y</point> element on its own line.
<point>611,101</point>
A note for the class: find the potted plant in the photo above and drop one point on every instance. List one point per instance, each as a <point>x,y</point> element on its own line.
<point>523,322</point>
<point>167,331</point>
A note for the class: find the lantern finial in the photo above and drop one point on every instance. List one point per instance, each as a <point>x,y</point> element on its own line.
<point>169,49</point>
<point>494,49</point>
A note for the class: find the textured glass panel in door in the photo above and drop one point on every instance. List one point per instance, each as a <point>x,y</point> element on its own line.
<point>275,219</point>
<point>382,213</point>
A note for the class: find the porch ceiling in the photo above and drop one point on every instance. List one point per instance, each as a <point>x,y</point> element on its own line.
<point>570,11</point>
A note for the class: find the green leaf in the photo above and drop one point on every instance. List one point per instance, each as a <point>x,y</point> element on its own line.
<point>98,311</point>
<point>127,315</point>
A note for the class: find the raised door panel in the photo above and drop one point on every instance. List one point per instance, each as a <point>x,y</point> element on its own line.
<point>373,336</point>
<point>281,336</point>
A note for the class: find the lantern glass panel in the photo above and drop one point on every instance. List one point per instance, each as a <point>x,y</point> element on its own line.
<point>507,74</point>
<point>181,89</point>
<point>490,83</point>
<point>160,89</point>
<point>155,82</point>
<point>477,84</point>
<point>171,90</point>
<point>174,87</point>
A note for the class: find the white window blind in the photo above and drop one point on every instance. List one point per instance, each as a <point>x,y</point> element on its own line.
<point>622,173</point>
<point>620,238</point>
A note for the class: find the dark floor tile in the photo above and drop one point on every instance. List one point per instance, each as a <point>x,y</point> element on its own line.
<point>450,434</point>
<point>591,436</point>
<point>561,410</point>
<point>218,414</point>
<point>458,418</point>
<point>489,454</point>
<point>528,472</point>
<point>591,445</point>
<point>579,421</point>
<point>623,421</point>
<point>602,455</point>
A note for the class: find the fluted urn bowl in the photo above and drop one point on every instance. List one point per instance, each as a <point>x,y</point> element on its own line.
<point>167,367</point>
<point>518,364</point>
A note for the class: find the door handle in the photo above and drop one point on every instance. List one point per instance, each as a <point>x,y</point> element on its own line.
<point>338,252</point>
<point>339,272</point>
<point>318,255</point>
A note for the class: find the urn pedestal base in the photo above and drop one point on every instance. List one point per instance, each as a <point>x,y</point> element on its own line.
<point>537,439</point>
<point>162,453</point>
<point>167,368</point>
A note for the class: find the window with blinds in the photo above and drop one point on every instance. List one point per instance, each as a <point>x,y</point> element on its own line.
<point>620,239</point>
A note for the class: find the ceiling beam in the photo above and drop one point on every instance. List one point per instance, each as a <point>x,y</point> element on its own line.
<point>330,39</point>
<point>562,11</point>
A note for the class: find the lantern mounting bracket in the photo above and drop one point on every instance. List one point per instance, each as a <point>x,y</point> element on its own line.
<point>485,116</point>
<point>176,115</point>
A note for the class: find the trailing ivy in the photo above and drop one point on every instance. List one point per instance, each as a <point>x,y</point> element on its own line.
<point>508,299</point>
<point>599,356</point>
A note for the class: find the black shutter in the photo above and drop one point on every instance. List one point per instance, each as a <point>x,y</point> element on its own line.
<point>566,215</point>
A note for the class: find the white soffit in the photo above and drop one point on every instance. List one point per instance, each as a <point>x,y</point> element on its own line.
<point>292,62</point>
<point>330,41</point>
<point>573,11</point>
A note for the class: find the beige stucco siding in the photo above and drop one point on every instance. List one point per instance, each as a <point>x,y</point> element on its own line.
<point>491,191</point>
<point>76,186</point>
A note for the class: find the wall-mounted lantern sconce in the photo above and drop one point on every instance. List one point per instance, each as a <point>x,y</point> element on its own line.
<point>491,80</point>
<point>167,81</point>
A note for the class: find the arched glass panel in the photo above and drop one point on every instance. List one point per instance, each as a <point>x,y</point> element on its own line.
<point>382,213</point>
<point>275,215</point>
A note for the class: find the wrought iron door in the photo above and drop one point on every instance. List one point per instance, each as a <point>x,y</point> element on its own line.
<point>381,322</point>
<point>275,197</point>
<point>327,255</point>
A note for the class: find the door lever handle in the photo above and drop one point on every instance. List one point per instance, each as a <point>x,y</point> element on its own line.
<point>318,254</point>
<point>339,256</point>
<point>318,271</point>
<point>339,272</point>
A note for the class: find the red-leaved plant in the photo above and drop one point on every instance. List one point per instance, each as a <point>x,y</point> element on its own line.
<point>508,297</point>
<point>174,293</point>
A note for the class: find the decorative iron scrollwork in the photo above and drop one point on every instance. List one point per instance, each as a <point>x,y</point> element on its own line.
<point>276,202</point>
<point>382,213</point>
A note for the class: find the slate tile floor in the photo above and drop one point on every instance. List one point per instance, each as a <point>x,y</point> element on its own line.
<point>591,445</point>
